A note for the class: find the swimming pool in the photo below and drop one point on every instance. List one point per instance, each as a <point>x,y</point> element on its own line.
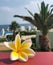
<point>6,32</point>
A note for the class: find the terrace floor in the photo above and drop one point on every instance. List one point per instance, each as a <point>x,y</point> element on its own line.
<point>3,47</point>
<point>41,58</point>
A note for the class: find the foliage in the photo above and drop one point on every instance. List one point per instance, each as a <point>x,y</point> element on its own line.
<point>5,50</point>
<point>27,33</point>
<point>3,39</point>
<point>33,43</point>
<point>14,25</point>
<point>42,20</point>
<point>9,37</point>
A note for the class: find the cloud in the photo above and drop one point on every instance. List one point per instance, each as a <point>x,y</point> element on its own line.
<point>32,5</point>
<point>7,0</point>
<point>6,8</point>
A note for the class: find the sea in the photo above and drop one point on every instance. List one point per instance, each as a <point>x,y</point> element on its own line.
<point>5,27</point>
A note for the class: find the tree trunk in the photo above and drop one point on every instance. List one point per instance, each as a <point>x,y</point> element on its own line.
<point>44,43</point>
<point>14,35</point>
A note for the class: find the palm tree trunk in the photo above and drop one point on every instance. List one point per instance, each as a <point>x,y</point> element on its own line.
<point>44,43</point>
<point>14,35</point>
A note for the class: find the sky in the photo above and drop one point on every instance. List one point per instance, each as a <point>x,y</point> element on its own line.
<point>8,8</point>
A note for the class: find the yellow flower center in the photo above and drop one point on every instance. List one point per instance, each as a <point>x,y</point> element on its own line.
<point>19,50</point>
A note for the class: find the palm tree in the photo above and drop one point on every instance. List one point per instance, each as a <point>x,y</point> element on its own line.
<point>43,21</point>
<point>13,28</point>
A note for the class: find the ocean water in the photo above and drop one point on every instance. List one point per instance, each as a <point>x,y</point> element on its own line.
<point>6,27</point>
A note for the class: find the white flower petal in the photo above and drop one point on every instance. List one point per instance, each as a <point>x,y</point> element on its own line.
<point>14,56</point>
<point>17,41</point>
<point>23,57</point>
<point>27,44</point>
<point>29,52</point>
<point>7,44</point>
<point>10,45</point>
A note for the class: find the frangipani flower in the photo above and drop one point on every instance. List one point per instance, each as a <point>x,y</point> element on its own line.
<point>20,51</point>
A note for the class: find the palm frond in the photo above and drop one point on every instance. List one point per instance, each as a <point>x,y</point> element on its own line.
<point>44,11</point>
<point>51,6</point>
<point>38,20</point>
<point>38,6</point>
<point>51,11</point>
<point>50,21</point>
<point>29,19</point>
<point>29,12</point>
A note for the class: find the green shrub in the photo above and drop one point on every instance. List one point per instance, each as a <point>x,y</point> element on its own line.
<point>27,33</point>
<point>9,37</point>
<point>5,50</point>
<point>17,32</point>
<point>22,32</point>
<point>34,47</point>
<point>33,40</point>
<point>3,39</point>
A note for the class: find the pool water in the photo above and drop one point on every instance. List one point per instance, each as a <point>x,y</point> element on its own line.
<point>6,32</point>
